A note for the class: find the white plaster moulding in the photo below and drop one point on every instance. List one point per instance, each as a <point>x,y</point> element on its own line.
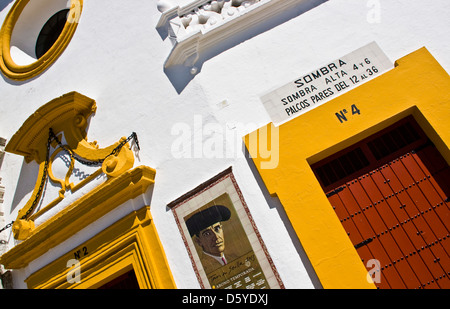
<point>179,11</point>
<point>188,47</point>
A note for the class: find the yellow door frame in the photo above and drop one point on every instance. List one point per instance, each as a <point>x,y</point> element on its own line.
<point>132,243</point>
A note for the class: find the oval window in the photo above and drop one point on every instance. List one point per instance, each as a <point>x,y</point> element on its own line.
<point>34,34</point>
<point>50,32</point>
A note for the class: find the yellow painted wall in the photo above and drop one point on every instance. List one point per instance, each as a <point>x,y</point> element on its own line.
<point>131,243</point>
<point>417,86</point>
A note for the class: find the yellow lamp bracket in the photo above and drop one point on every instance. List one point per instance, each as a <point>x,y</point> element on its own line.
<point>40,139</point>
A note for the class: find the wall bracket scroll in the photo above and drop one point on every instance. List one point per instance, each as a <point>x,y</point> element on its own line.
<point>60,125</point>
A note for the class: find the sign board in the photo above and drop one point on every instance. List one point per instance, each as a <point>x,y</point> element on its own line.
<point>325,83</point>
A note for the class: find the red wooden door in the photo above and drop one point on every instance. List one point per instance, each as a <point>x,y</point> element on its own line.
<point>395,208</point>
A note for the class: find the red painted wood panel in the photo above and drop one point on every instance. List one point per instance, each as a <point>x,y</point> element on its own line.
<point>418,230</point>
<point>402,207</point>
<point>358,230</point>
<point>367,193</point>
<point>398,209</point>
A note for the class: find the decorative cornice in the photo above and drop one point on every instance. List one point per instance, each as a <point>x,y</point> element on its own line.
<point>67,114</point>
<point>131,242</point>
<point>79,215</point>
<point>202,24</point>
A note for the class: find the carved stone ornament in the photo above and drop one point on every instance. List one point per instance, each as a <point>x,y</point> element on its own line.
<point>67,117</point>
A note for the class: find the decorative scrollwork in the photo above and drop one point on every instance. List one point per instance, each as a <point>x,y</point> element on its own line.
<point>63,117</point>
<point>213,12</point>
<point>198,26</point>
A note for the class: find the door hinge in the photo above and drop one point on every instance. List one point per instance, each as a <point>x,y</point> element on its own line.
<point>336,191</point>
<point>363,243</point>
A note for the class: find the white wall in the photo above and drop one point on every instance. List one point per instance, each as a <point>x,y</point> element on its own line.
<point>116,57</point>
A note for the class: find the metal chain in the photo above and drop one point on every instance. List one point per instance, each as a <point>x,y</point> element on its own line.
<point>7,226</point>
<point>51,137</point>
<point>41,185</point>
<point>44,177</point>
<point>90,162</point>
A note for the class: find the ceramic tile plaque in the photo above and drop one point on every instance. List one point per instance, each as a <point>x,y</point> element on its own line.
<point>222,240</point>
<point>325,83</point>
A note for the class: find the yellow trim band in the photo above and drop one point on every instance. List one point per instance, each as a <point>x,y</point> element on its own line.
<point>132,243</point>
<point>79,215</point>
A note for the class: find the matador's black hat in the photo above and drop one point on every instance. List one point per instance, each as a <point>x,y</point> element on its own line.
<point>202,219</point>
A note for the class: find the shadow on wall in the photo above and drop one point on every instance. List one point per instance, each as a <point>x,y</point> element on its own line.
<point>4,3</point>
<point>26,183</point>
<point>181,75</point>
